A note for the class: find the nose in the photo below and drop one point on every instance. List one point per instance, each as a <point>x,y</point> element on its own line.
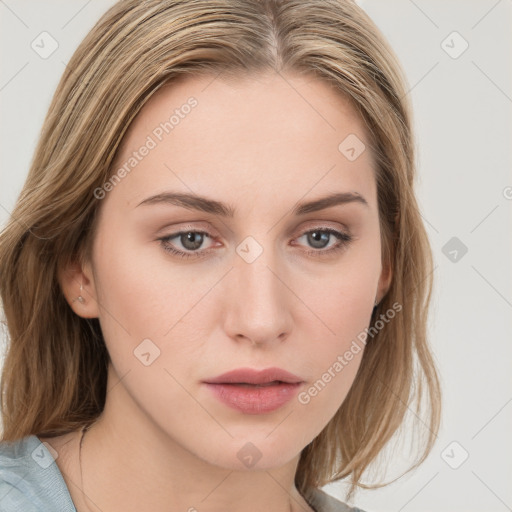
<point>257,302</point>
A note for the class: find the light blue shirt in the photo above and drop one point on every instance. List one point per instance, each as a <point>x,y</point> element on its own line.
<point>31,481</point>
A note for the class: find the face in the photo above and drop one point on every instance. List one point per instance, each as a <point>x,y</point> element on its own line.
<point>188,290</point>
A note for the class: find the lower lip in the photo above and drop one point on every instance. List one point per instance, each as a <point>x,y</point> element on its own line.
<point>254,400</point>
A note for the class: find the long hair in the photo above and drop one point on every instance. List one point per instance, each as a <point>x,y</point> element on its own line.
<point>55,370</point>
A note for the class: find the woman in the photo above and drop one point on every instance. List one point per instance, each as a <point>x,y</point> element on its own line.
<point>216,279</point>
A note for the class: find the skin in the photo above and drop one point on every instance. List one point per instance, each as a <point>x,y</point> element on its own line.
<point>261,145</point>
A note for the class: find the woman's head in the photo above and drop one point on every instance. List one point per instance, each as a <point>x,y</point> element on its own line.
<point>263,107</point>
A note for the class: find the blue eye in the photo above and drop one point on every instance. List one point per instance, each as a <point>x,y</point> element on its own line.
<point>192,240</point>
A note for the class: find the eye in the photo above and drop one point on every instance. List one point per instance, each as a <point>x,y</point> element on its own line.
<point>190,240</point>
<point>319,238</point>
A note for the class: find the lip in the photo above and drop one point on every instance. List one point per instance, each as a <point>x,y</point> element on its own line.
<point>253,376</point>
<point>255,391</point>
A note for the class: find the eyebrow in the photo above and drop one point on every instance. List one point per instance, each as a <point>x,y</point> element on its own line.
<point>205,204</point>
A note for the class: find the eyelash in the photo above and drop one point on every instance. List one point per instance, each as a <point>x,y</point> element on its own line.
<point>344,240</point>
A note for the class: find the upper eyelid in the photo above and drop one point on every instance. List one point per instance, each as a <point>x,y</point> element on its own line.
<point>300,232</point>
<point>312,225</point>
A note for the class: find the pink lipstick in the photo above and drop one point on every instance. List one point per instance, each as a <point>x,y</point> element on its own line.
<point>255,391</point>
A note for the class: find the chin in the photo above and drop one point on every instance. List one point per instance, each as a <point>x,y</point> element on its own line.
<point>250,453</point>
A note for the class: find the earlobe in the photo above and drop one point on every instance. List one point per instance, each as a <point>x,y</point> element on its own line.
<point>77,285</point>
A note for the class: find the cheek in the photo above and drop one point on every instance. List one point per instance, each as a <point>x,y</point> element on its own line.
<point>343,298</point>
<point>139,289</point>
<point>144,295</point>
<point>342,303</point>
<point>334,357</point>
<point>141,300</point>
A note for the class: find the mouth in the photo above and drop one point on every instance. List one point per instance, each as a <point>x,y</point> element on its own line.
<point>254,392</point>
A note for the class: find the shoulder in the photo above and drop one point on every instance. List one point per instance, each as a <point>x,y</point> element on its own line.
<point>30,481</point>
<point>323,502</point>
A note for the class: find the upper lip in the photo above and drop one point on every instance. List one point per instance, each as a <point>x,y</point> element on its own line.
<point>253,376</point>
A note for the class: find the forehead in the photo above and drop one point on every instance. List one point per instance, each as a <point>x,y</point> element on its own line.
<point>267,132</point>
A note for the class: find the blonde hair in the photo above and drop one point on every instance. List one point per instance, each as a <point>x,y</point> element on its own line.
<point>55,371</point>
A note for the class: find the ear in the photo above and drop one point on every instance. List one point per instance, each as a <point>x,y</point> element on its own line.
<point>77,281</point>
<point>385,278</point>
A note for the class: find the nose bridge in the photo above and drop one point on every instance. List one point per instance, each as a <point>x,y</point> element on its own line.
<point>259,284</point>
<point>258,303</point>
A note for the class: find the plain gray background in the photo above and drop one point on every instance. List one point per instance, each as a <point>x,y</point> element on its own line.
<point>462,112</point>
